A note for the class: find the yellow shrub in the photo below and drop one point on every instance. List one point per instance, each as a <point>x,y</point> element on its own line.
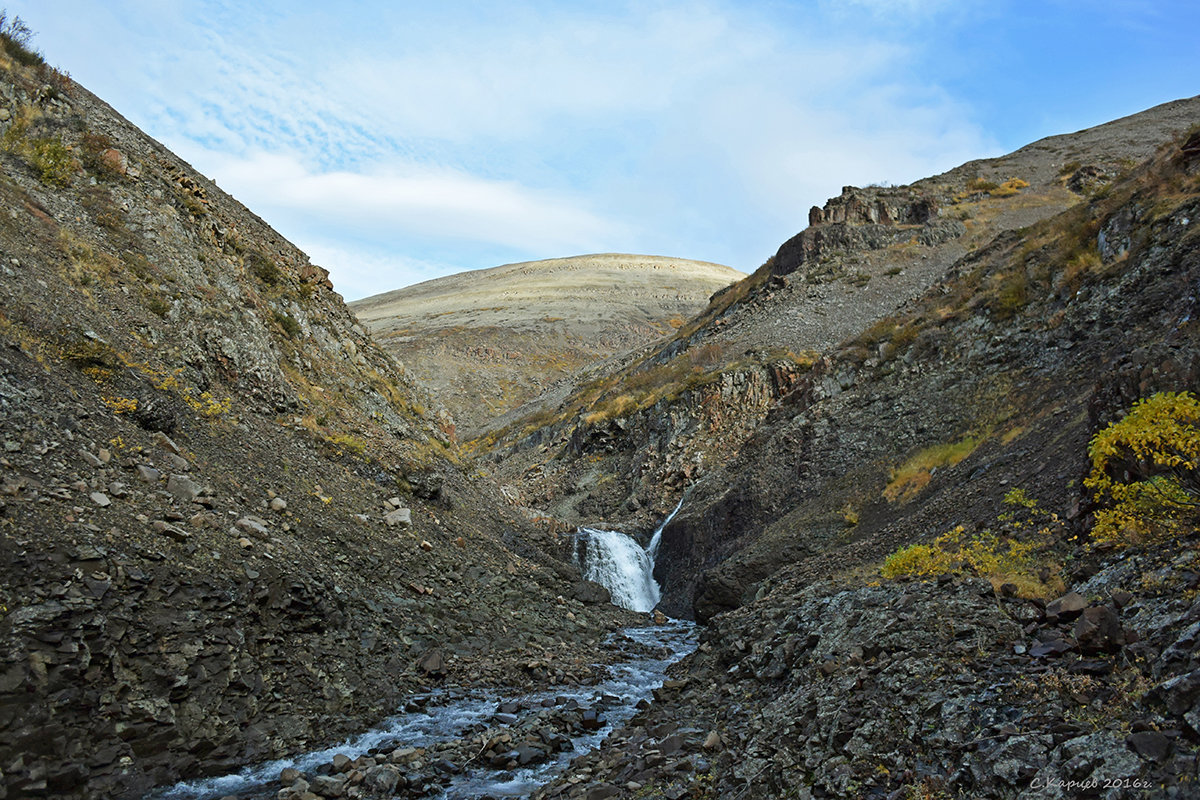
<point>1146,467</point>
<point>121,405</point>
<point>1008,188</point>
<point>1000,559</point>
<point>916,560</point>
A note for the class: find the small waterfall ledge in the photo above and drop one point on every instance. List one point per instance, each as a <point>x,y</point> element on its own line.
<point>618,563</point>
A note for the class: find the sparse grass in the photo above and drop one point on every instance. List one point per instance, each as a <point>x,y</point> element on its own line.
<point>16,38</point>
<point>1011,294</point>
<point>348,443</point>
<point>908,479</point>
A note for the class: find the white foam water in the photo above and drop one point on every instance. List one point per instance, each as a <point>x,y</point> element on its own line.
<point>618,563</point>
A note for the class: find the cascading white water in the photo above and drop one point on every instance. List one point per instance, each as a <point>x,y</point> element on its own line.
<point>618,563</point>
<point>652,548</point>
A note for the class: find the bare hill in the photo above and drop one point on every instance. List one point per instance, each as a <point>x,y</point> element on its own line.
<point>488,340</point>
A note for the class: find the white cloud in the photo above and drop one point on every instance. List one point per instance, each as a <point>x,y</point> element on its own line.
<point>427,202</point>
<point>445,134</point>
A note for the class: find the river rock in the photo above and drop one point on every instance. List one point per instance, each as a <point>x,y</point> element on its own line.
<point>382,780</point>
<point>432,663</point>
<point>329,785</point>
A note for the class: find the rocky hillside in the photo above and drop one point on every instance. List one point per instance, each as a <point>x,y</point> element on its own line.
<point>490,340</point>
<point>628,442</point>
<point>902,569</point>
<point>231,526</point>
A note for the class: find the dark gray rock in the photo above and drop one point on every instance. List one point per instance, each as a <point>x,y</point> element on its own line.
<point>1150,744</point>
<point>1098,629</point>
<point>183,488</point>
<point>1066,608</point>
<point>591,593</point>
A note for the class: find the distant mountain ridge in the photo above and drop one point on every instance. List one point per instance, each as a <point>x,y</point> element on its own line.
<point>488,340</point>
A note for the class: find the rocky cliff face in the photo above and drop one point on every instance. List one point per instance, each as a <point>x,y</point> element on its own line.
<point>230,524</point>
<point>834,305</point>
<point>818,678</point>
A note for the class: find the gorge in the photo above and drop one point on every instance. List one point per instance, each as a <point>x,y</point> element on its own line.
<point>244,552</point>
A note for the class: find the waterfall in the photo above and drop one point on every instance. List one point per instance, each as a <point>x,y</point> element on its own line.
<point>618,563</point>
<point>652,548</point>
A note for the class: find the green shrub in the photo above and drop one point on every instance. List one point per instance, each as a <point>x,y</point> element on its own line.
<point>289,324</point>
<point>263,268</point>
<point>53,161</point>
<point>1146,467</point>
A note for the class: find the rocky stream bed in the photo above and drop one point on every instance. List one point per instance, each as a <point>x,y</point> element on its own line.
<point>456,743</point>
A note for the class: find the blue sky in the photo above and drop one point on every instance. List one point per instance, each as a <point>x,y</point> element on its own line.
<point>399,141</point>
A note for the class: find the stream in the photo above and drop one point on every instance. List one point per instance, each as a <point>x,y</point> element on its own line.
<point>435,740</point>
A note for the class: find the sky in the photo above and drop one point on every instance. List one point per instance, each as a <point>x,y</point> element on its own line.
<point>396,142</point>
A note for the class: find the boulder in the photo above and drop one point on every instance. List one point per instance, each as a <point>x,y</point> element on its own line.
<point>1066,608</point>
<point>253,525</point>
<point>1099,629</point>
<point>183,488</point>
<point>591,593</point>
<point>432,663</point>
<point>401,517</point>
